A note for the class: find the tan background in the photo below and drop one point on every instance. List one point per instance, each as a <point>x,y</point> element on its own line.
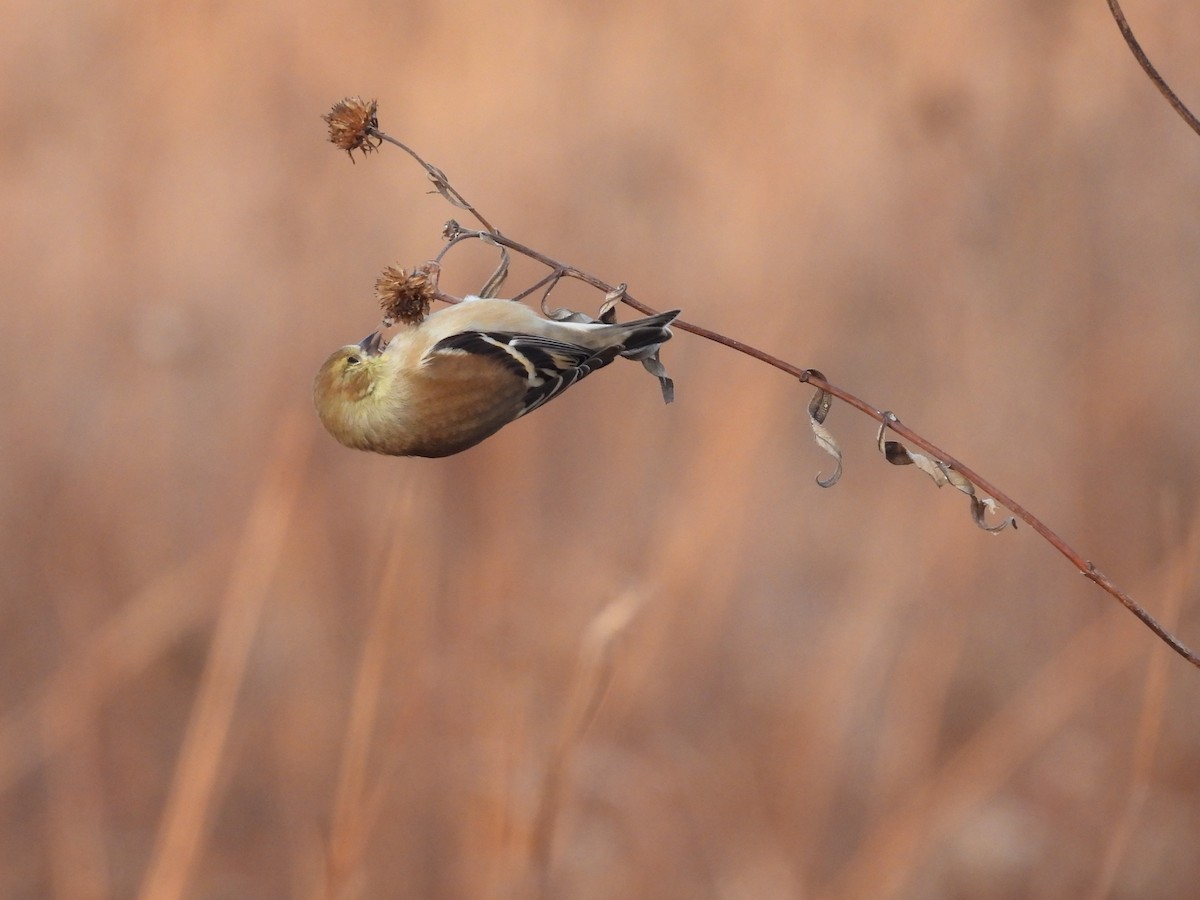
<point>237,660</point>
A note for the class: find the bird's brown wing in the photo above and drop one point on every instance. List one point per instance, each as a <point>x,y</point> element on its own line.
<point>546,366</point>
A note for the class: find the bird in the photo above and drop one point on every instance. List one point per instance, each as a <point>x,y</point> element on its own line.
<point>464,372</point>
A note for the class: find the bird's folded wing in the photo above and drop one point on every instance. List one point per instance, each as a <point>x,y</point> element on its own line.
<point>546,366</point>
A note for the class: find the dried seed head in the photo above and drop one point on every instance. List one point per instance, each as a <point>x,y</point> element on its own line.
<point>405,297</point>
<point>349,121</point>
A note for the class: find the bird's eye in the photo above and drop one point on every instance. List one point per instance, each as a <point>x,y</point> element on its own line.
<point>353,360</point>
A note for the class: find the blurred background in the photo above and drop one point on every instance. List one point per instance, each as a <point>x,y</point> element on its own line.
<point>620,649</point>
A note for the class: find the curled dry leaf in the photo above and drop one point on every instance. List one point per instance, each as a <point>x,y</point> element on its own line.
<point>818,409</point>
<point>491,287</point>
<point>441,184</point>
<point>899,455</point>
<point>561,313</point>
<point>654,366</point>
<point>608,309</point>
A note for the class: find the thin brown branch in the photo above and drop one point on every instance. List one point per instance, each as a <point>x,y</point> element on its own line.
<point>1144,61</point>
<point>437,176</point>
<point>455,234</point>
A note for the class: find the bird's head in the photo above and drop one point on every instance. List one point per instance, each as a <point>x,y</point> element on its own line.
<point>345,388</point>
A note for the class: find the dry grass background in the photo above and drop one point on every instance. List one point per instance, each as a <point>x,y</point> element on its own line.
<point>240,661</point>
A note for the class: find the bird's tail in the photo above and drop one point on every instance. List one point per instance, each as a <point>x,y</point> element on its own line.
<point>641,335</point>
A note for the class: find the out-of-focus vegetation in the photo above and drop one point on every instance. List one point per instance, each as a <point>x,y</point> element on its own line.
<point>240,661</point>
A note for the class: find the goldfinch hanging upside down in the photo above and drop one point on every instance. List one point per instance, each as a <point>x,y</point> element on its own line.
<point>465,372</point>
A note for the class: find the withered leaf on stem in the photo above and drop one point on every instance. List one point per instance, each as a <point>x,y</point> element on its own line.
<point>654,366</point>
<point>818,409</point>
<point>608,312</point>
<point>441,184</point>
<point>899,455</point>
<point>608,309</point>
<point>491,287</point>
<point>561,313</point>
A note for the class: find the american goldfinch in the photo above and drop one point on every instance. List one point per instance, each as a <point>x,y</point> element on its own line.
<point>465,372</point>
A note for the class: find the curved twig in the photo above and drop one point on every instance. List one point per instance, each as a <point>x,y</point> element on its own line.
<point>1144,61</point>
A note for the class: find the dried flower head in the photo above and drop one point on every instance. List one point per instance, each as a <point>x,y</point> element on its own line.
<point>406,297</point>
<point>349,122</point>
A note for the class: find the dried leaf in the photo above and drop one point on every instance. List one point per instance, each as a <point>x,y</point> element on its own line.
<point>899,455</point>
<point>441,184</point>
<point>608,309</point>
<point>655,367</point>
<point>818,409</point>
<point>491,287</point>
<point>979,508</point>
<point>561,314</point>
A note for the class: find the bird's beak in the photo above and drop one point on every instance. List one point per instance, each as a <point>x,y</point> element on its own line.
<point>372,344</point>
